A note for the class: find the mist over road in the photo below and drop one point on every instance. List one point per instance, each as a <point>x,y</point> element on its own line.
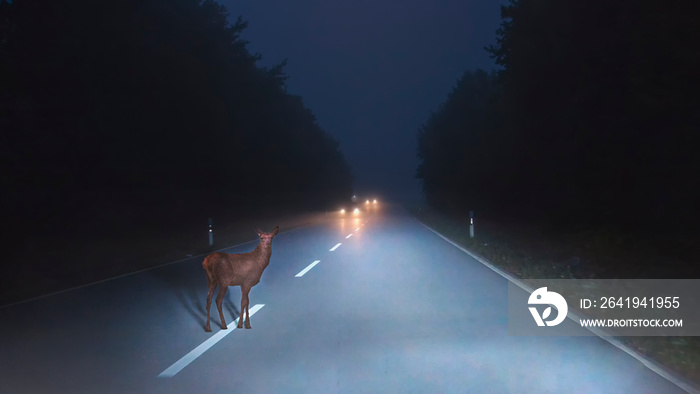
<point>393,308</point>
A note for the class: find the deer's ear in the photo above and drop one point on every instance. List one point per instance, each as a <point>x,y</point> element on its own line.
<point>277,229</point>
<point>260,232</point>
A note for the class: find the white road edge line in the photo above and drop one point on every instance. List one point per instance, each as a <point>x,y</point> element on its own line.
<point>348,236</point>
<point>335,247</point>
<point>647,362</point>
<point>357,229</point>
<point>305,270</point>
<point>199,350</point>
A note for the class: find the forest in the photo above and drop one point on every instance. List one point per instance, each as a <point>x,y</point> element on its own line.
<point>146,114</point>
<point>591,120</point>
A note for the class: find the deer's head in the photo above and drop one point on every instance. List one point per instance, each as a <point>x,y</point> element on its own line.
<point>266,238</point>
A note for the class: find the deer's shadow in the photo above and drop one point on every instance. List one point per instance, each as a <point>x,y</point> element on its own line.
<point>192,295</point>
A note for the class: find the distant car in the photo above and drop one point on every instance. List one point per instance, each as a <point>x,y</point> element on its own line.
<point>358,205</point>
<point>354,207</point>
<point>351,209</point>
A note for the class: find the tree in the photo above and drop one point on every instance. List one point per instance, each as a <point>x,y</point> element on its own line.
<point>146,116</point>
<point>459,146</point>
<point>588,87</point>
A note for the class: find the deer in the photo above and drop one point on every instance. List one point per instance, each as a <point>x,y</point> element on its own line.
<point>243,269</point>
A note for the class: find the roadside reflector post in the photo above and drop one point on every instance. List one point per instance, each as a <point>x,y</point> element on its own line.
<point>211,234</point>
<point>471,224</point>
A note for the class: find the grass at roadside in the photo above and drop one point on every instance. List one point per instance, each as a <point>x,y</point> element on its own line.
<point>531,252</point>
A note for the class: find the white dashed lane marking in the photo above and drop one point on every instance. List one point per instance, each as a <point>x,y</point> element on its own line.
<point>305,270</point>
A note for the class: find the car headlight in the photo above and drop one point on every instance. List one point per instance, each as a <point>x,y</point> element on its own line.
<point>342,211</point>
<point>356,211</point>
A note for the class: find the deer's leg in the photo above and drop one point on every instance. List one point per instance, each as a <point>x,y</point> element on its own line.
<point>212,287</point>
<point>247,315</point>
<point>244,308</point>
<point>219,300</point>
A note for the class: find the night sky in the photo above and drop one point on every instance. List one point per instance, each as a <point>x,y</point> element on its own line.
<point>372,71</point>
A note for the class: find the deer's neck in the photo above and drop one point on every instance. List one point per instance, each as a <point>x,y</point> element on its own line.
<point>263,254</point>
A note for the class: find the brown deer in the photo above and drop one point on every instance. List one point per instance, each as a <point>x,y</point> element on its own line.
<point>244,269</point>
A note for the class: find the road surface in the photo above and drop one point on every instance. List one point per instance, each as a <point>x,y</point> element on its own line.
<point>393,308</point>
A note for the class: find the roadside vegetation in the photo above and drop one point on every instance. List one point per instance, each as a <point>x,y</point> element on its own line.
<point>584,128</point>
<point>529,252</point>
<point>134,121</point>
<point>578,152</point>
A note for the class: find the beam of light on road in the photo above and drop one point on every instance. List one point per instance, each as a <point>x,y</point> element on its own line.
<point>305,270</point>
<point>335,247</point>
<point>348,236</point>
<point>199,350</point>
<point>357,229</point>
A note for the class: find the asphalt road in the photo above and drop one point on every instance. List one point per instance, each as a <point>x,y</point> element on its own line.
<point>394,308</point>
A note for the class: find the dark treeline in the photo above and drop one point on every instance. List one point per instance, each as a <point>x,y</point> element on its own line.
<point>593,120</point>
<point>135,111</point>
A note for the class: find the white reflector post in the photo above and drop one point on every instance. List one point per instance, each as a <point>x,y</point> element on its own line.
<point>471,224</point>
<point>211,234</point>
